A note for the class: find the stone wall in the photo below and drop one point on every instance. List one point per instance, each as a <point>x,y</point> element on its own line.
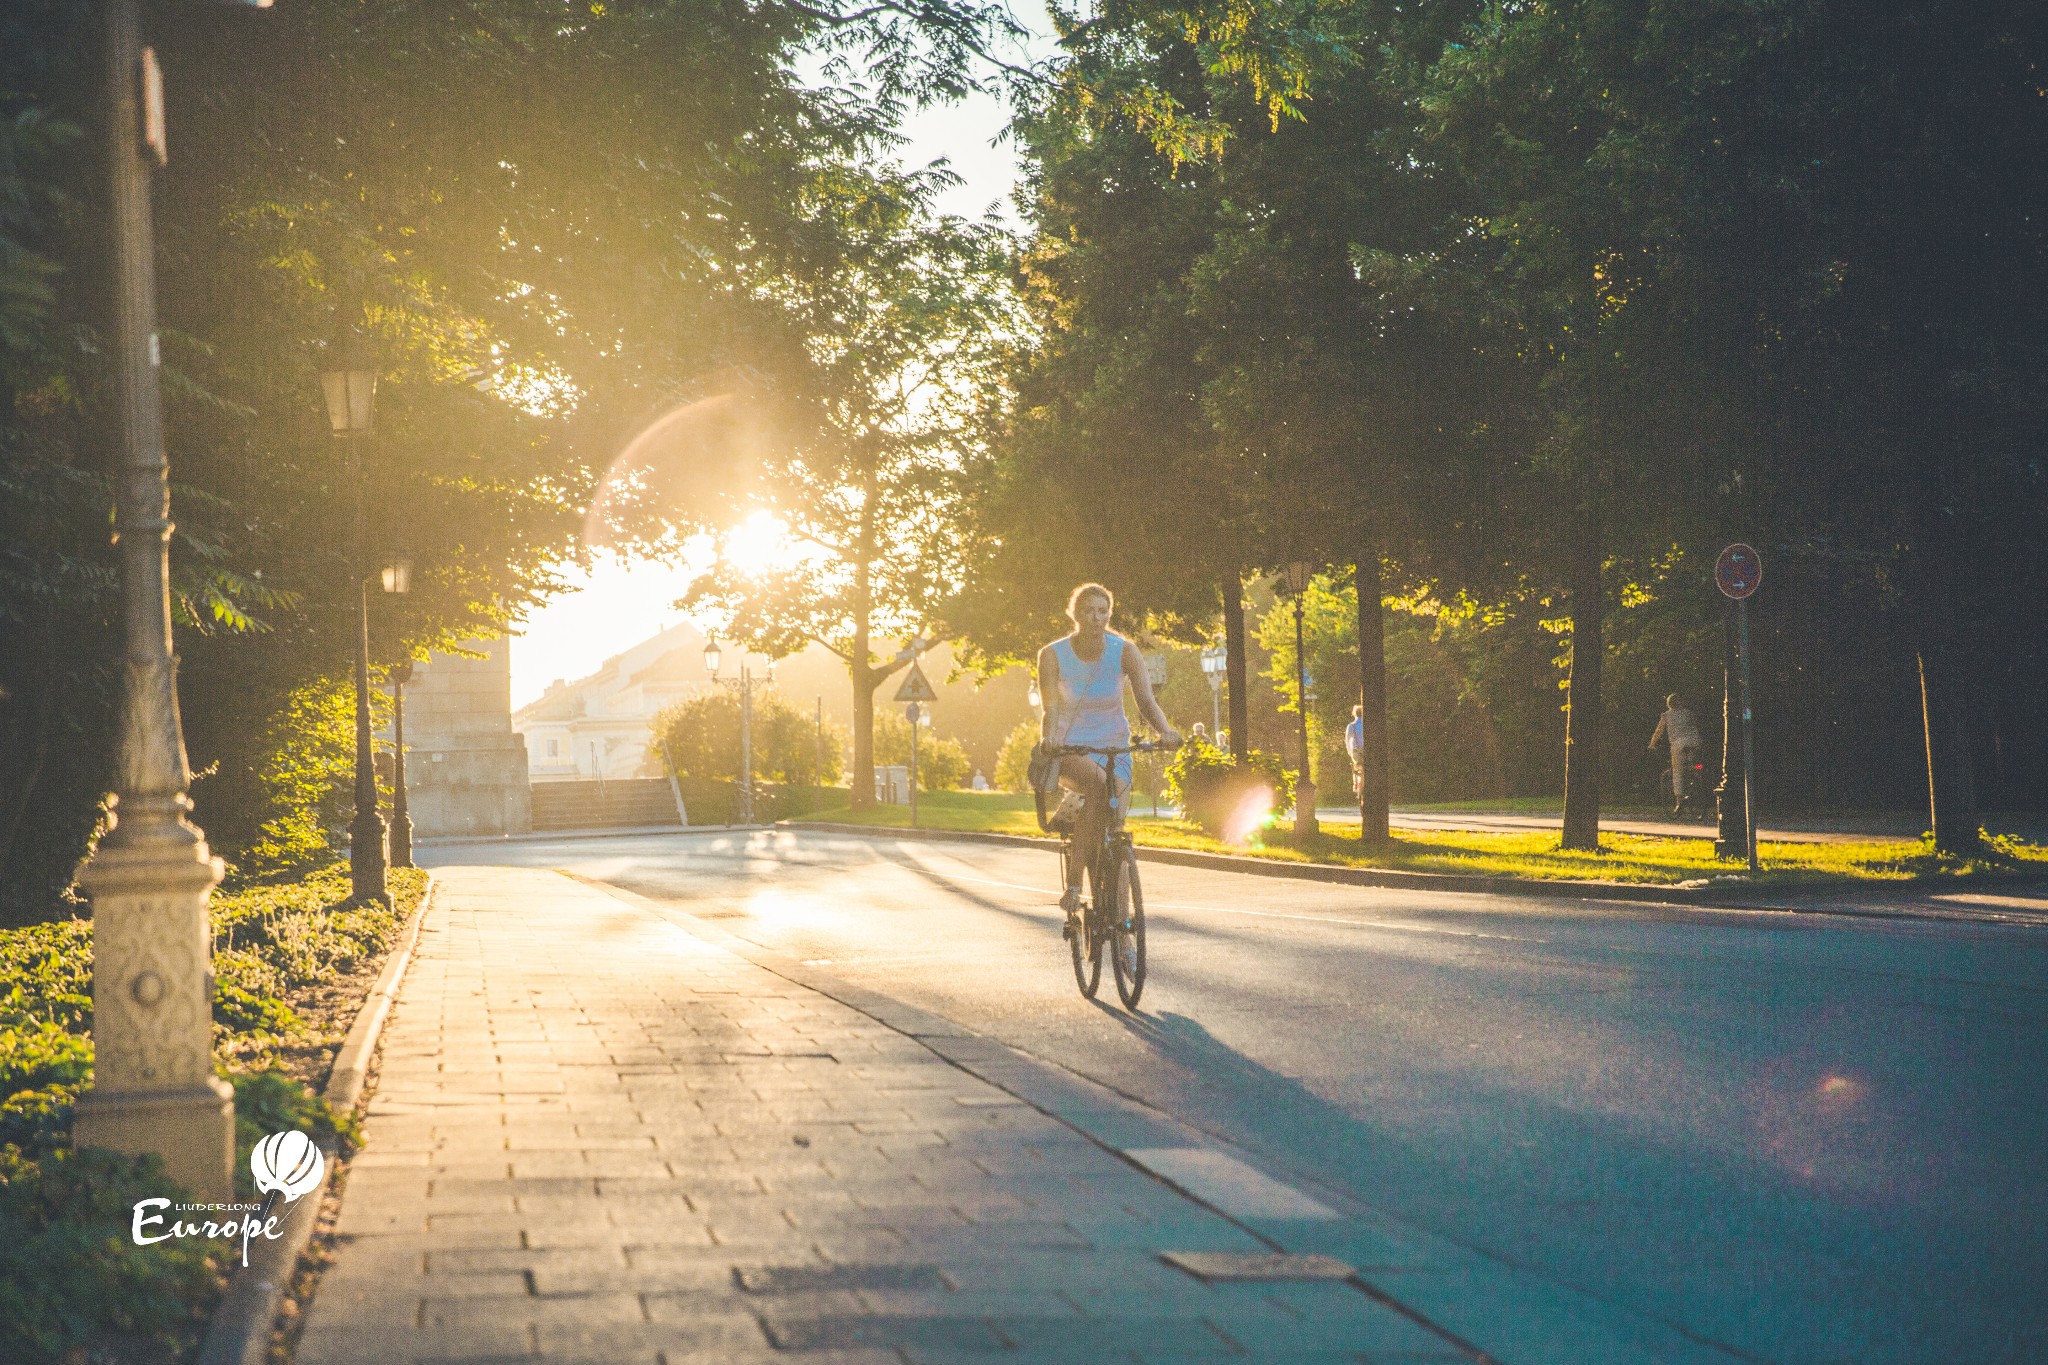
<point>465,769</point>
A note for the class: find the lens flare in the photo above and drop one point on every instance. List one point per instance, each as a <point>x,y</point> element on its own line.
<point>1253,812</point>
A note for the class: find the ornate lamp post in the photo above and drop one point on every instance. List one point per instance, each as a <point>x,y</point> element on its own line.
<point>1298,574</point>
<point>745,684</point>
<point>153,1087</point>
<point>398,579</point>
<point>350,385</point>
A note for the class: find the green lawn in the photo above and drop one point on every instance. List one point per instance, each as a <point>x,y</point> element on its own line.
<point>1623,857</point>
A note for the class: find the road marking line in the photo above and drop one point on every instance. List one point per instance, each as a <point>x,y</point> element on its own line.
<point>1227,1184</point>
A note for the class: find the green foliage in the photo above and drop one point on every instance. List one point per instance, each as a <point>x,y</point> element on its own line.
<point>1216,791</point>
<point>48,971</point>
<point>305,781</point>
<point>687,214</point>
<point>942,764</point>
<point>71,1274</point>
<point>269,1102</point>
<point>701,736</point>
<point>1013,765</point>
<point>270,940</point>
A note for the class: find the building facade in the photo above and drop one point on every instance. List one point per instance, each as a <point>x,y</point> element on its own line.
<point>601,726</point>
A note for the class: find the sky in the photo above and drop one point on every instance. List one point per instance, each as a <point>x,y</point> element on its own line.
<point>615,604</point>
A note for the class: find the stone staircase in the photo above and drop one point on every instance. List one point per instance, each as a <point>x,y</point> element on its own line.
<point>603,805</point>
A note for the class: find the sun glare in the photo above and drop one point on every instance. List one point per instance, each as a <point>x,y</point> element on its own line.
<point>759,545</point>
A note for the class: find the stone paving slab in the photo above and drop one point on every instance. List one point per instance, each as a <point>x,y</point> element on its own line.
<point>598,1137</point>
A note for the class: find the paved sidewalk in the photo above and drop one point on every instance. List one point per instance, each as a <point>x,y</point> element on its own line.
<point>598,1137</point>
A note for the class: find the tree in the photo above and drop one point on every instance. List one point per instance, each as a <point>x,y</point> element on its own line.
<point>618,218</point>
<point>872,441</point>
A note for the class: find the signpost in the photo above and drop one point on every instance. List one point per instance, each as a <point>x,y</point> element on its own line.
<point>915,691</point>
<point>1738,573</point>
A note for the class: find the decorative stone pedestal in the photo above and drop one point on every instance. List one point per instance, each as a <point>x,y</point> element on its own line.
<point>153,1088</point>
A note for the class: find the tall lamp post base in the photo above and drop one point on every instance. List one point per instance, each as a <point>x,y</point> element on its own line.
<point>1304,806</point>
<point>153,1084</point>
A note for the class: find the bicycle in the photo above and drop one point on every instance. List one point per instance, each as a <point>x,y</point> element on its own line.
<point>1113,911</point>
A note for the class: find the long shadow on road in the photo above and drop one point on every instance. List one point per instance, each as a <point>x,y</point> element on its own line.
<point>1733,1252</point>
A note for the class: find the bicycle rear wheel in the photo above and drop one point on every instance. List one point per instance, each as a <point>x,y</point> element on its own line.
<point>1083,944</point>
<point>1127,929</point>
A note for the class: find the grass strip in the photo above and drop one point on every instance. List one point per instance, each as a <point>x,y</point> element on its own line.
<point>1533,854</point>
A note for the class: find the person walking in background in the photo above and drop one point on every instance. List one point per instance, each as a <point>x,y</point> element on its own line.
<point>1354,749</point>
<point>1680,729</point>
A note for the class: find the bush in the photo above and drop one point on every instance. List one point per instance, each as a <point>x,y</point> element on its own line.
<point>1013,764</point>
<point>942,764</point>
<point>701,737</point>
<point>1212,788</point>
<point>71,1276</point>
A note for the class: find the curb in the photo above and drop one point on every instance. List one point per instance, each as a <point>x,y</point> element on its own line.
<point>1640,893</point>
<point>240,1331</point>
<point>549,836</point>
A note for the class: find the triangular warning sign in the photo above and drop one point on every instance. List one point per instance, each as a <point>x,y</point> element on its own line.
<point>916,686</point>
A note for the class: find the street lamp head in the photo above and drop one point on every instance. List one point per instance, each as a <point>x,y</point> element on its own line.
<point>401,672</point>
<point>1215,659</point>
<point>1035,698</point>
<point>771,672</point>
<point>711,657</point>
<point>398,575</point>
<point>348,379</point>
<point>1299,572</point>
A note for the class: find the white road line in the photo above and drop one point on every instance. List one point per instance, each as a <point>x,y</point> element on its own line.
<point>1227,1184</point>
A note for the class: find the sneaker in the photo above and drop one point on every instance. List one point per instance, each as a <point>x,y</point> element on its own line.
<point>1070,901</point>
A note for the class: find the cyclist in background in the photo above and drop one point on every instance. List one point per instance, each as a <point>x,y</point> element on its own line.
<point>1081,678</point>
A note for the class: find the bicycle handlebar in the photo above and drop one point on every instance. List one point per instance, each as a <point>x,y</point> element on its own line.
<point>1143,746</point>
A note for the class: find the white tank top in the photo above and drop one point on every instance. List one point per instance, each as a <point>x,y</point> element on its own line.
<point>1092,695</point>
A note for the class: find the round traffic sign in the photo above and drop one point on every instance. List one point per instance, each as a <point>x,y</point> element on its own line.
<point>1738,571</point>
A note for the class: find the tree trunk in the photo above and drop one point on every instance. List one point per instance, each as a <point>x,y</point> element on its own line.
<point>860,773</point>
<point>1372,694</point>
<point>1234,658</point>
<point>1583,722</point>
<point>1951,798</point>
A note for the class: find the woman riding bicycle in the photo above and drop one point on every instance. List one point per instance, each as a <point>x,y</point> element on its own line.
<point>1081,679</point>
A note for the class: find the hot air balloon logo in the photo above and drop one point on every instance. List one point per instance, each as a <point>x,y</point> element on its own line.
<point>287,1163</point>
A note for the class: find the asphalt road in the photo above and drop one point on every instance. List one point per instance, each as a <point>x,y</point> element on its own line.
<point>1801,1138</point>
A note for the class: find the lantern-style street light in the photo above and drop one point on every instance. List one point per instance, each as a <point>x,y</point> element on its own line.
<point>348,381</point>
<point>1299,572</point>
<point>745,686</point>
<point>153,1087</point>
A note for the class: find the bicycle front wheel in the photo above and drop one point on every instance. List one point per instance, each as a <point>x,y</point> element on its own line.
<point>1127,929</point>
<point>1083,943</point>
